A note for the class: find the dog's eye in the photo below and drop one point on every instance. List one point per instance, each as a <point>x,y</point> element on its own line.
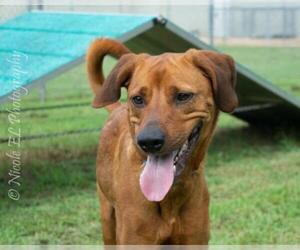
<point>183,97</point>
<point>138,101</point>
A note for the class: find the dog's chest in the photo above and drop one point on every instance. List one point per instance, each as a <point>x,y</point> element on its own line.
<point>169,213</point>
<point>171,230</point>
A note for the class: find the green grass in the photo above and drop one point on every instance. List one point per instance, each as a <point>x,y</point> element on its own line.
<point>253,175</point>
<point>278,65</point>
<point>254,182</point>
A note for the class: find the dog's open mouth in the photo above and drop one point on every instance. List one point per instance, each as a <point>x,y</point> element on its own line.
<point>159,172</point>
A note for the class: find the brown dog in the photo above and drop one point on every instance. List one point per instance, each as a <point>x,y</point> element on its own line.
<point>150,165</point>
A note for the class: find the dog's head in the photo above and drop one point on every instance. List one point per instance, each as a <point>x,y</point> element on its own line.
<point>171,98</point>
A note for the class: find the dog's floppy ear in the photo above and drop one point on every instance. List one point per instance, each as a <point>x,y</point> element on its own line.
<point>220,69</point>
<point>110,91</point>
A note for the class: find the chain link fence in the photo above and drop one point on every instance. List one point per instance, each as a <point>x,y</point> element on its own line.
<point>206,21</point>
<point>258,22</point>
<point>8,12</point>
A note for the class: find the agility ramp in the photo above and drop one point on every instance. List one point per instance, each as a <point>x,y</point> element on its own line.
<point>53,42</point>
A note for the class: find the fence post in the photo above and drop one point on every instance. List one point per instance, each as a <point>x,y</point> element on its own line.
<point>40,5</point>
<point>43,92</point>
<point>211,22</point>
<point>252,23</point>
<point>29,5</point>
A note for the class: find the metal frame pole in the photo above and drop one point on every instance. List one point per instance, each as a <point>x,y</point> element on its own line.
<point>211,22</point>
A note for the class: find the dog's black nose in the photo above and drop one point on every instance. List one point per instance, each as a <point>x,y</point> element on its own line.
<point>151,139</point>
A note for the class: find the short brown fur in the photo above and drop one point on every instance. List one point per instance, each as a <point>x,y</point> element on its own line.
<point>182,217</point>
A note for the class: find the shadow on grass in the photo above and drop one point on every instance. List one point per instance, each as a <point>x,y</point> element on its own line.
<point>232,144</point>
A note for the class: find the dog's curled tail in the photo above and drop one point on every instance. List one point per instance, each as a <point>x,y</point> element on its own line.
<point>95,56</point>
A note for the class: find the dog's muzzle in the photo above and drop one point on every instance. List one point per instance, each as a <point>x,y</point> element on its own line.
<point>160,171</point>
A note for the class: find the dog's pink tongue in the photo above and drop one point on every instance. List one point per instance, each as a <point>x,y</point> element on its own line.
<point>157,177</point>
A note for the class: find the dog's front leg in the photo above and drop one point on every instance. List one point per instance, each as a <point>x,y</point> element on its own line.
<point>108,220</point>
<point>140,228</point>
